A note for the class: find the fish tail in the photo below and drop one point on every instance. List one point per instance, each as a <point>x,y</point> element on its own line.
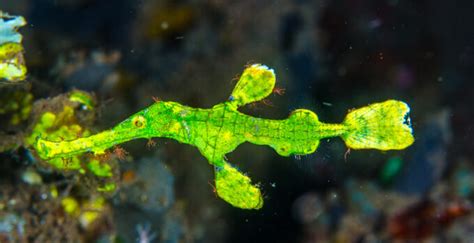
<point>382,126</point>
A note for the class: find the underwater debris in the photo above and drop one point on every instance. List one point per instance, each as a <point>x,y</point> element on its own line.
<point>308,207</point>
<point>369,212</point>
<point>145,234</point>
<point>33,214</point>
<point>152,188</point>
<point>462,181</point>
<point>90,70</point>
<point>424,218</point>
<point>31,176</point>
<point>12,63</point>
<point>162,21</point>
<point>88,211</point>
<point>15,105</point>
<point>429,160</point>
<point>218,131</point>
<point>390,170</point>
<point>11,226</point>
<point>359,197</point>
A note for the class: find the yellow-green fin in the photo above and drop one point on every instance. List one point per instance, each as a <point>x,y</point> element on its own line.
<point>383,126</point>
<point>256,83</point>
<point>236,188</point>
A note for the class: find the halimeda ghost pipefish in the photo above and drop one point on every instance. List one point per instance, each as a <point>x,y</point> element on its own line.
<point>220,129</point>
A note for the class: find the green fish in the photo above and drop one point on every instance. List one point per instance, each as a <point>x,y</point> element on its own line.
<point>219,130</point>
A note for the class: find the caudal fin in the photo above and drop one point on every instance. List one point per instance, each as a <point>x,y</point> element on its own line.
<point>383,126</point>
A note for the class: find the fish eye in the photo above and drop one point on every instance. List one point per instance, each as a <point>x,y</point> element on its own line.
<point>139,121</point>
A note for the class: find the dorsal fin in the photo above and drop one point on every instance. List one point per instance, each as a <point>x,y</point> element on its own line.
<point>256,83</point>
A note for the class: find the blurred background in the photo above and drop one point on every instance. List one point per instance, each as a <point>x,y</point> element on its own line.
<point>329,56</point>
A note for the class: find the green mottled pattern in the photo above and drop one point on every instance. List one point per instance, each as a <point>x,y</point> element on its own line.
<point>219,130</point>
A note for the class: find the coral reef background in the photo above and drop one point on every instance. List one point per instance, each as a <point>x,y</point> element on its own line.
<point>329,56</point>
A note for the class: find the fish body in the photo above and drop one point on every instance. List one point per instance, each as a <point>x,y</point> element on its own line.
<point>220,129</point>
